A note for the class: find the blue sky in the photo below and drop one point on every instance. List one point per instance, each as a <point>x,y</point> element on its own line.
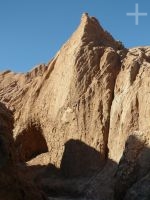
<point>32,31</point>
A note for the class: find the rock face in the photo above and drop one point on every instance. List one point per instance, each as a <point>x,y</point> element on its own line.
<point>133,167</point>
<point>13,184</point>
<point>68,99</point>
<point>6,141</point>
<point>84,112</point>
<point>130,106</point>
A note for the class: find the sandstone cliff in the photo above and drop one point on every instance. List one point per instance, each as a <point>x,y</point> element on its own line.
<point>83,113</point>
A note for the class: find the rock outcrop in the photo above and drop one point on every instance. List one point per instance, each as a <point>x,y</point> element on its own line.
<point>13,184</point>
<point>84,116</point>
<point>68,99</point>
<point>130,106</point>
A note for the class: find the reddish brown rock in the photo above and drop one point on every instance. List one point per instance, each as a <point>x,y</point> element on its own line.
<point>79,111</point>
<point>70,98</point>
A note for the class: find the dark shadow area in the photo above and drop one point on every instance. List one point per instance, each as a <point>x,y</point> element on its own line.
<point>134,165</point>
<point>79,164</point>
<point>30,143</point>
<point>6,140</point>
<point>53,183</point>
<point>79,159</point>
<point>14,185</point>
<point>83,175</point>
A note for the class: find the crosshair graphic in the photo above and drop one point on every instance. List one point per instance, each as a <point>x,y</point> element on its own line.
<point>137,14</point>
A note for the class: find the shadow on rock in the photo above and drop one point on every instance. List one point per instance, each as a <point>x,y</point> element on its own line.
<point>30,143</point>
<point>82,173</point>
<point>132,175</point>
<point>13,184</point>
<point>83,176</point>
<point>79,159</point>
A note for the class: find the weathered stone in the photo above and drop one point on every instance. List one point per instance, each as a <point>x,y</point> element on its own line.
<point>70,98</point>
<point>80,116</point>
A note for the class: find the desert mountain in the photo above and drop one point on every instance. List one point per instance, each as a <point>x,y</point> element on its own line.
<point>81,122</point>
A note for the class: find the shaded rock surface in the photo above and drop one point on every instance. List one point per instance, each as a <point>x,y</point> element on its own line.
<point>81,122</point>
<point>13,184</point>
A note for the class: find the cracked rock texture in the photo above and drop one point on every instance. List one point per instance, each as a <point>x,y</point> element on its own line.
<point>81,122</point>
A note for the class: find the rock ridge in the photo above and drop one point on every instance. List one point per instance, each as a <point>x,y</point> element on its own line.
<point>83,118</point>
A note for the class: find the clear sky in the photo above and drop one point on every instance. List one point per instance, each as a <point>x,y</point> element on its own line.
<point>32,31</point>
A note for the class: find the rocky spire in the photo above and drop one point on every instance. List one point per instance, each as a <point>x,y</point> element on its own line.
<point>92,31</point>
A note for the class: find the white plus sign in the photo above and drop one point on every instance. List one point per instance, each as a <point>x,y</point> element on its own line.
<point>137,14</point>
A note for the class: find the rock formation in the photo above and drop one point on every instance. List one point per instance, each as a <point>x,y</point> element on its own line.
<point>82,120</point>
<point>13,184</point>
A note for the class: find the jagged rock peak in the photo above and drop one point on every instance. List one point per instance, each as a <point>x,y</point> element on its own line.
<point>82,117</point>
<point>93,31</point>
<point>87,20</point>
